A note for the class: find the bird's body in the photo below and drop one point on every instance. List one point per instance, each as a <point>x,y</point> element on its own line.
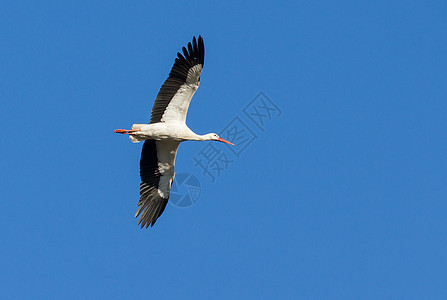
<point>166,130</point>
<point>174,131</point>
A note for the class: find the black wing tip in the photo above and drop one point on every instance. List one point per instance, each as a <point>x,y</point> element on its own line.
<point>150,218</point>
<point>193,53</point>
<point>201,49</point>
<point>150,207</point>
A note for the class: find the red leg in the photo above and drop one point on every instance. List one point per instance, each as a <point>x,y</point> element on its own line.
<point>125,131</point>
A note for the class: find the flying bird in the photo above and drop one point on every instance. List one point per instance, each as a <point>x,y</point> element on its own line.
<point>166,130</point>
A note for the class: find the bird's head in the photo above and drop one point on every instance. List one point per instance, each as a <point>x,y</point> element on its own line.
<point>215,137</point>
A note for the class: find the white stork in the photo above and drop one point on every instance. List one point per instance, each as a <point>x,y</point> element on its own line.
<point>166,130</point>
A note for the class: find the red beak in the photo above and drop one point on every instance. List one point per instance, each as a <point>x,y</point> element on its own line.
<point>224,141</point>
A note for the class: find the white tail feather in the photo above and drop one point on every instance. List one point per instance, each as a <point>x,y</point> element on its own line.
<point>136,138</point>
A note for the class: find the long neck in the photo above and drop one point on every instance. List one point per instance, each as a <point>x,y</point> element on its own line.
<point>205,137</point>
<point>192,136</point>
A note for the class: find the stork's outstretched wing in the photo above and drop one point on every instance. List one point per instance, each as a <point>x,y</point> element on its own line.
<point>157,173</point>
<point>172,102</point>
<point>171,105</point>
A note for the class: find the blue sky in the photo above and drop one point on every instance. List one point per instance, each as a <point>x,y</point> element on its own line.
<point>342,195</point>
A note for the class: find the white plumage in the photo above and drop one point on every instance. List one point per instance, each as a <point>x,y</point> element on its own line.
<point>166,130</point>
